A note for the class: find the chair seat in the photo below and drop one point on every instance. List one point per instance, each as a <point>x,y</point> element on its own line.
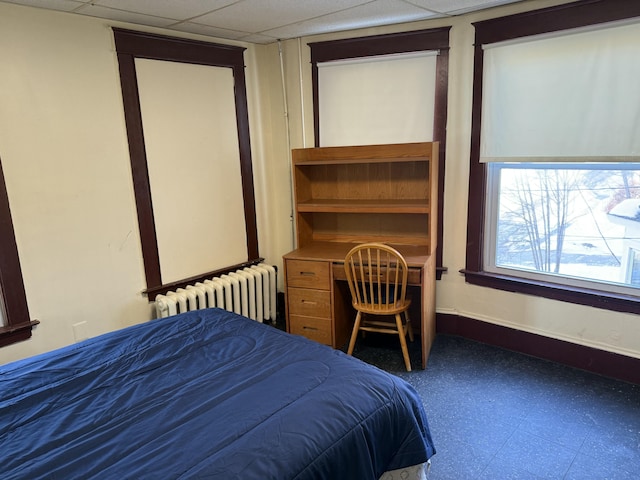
<point>384,309</point>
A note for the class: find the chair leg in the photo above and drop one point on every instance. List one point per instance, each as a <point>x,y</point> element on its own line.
<point>403,342</point>
<point>354,333</point>
<point>408,322</point>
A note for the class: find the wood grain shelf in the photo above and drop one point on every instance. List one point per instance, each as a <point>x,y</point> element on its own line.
<point>365,191</point>
<point>399,152</point>
<point>364,206</point>
<point>351,161</point>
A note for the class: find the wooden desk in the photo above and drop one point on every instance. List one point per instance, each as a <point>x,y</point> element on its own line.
<point>354,194</point>
<point>318,302</point>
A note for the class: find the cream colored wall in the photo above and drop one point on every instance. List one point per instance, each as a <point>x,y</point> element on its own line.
<point>270,154</point>
<point>63,147</point>
<point>588,326</point>
<point>64,152</point>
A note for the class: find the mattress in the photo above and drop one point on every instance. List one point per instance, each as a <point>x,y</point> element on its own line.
<point>206,394</point>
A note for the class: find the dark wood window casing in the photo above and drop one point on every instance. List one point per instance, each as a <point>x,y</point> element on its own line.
<point>387,44</point>
<point>131,45</point>
<point>18,325</point>
<point>562,17</point>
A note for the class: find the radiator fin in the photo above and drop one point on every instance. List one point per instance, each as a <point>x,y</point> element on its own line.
<point>250,291</point>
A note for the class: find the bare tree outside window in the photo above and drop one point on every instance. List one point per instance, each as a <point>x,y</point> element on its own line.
<point>535,211</point>
<point>568,221</point>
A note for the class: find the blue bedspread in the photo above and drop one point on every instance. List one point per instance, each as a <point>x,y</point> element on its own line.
<point>205,394</point>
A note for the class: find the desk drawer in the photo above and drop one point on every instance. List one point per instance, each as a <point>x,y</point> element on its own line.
<point>317,329</point>
<point>311,303</point>
<point>308,274</point>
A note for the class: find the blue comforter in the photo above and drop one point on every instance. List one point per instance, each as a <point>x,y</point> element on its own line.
<point>205,394</point>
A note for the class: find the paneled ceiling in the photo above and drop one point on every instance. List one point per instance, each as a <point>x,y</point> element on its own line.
<point>264,21</point>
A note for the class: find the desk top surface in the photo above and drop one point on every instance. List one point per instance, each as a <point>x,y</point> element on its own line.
<point>415,255</point>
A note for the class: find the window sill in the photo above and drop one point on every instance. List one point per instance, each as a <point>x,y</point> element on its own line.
<point>16,333</point>
<point>554,291</point>
<point>152,292</point>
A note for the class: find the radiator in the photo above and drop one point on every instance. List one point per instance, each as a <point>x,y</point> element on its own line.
<point>249,291</point>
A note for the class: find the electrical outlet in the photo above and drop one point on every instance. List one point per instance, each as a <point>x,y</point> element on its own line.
<point>80,331</point>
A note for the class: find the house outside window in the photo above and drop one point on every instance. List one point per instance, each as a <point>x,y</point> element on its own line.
<point>632,267</point>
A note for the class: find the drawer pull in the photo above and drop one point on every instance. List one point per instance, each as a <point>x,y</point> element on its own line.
<point>310,328</point>
<point>307,274</point>
<point>308,302</point>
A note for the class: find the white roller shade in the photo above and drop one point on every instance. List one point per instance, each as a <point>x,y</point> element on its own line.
<point>191,140</point>
<point>379,99</point>
<point>574,97</point>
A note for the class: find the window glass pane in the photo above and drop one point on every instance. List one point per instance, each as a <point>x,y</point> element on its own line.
<point>579,221</point>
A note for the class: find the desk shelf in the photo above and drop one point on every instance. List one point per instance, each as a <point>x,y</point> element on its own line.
<point>366,192</point>
<point>324,205</point>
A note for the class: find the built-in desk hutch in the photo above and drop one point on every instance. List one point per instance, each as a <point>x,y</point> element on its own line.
<point>349,195</point>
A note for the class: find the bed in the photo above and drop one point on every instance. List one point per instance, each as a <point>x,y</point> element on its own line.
<point>206,394</point>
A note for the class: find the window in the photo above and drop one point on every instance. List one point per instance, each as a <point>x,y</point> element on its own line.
<point>16,325</point>
<point>384,89</point>
<point>173,86</point>
<point>554,190</point>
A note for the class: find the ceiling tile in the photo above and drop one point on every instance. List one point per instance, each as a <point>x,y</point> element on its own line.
<point>62,5</point>
<point>122,16</point>
<point>178,10</point>
<point>260,15</point>
<point>207,30</point>
<point>259,38</point>
<point>380,12</point>
<point>263,21</point>
<point>456,7</point>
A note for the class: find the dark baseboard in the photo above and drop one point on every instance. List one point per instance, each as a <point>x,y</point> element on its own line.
<point>605,363</point>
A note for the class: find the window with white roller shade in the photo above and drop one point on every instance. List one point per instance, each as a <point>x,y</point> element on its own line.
<point>185,108</point>
<point>554,182</point>
<point>15,323</point>
<point>389,88</point>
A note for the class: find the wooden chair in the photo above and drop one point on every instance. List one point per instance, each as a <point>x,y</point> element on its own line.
<point>377,277</point>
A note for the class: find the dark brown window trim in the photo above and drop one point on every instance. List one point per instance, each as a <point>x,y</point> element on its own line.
<point>564,293</point>
<point>16,333</point>
<point>404,42</point>
<point>561,17</point>
<point>14,299</point>
<point>553,19</point>
<point>131,45</point>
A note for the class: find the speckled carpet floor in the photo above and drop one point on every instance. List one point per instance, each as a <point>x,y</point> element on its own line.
<point>499,415</point>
